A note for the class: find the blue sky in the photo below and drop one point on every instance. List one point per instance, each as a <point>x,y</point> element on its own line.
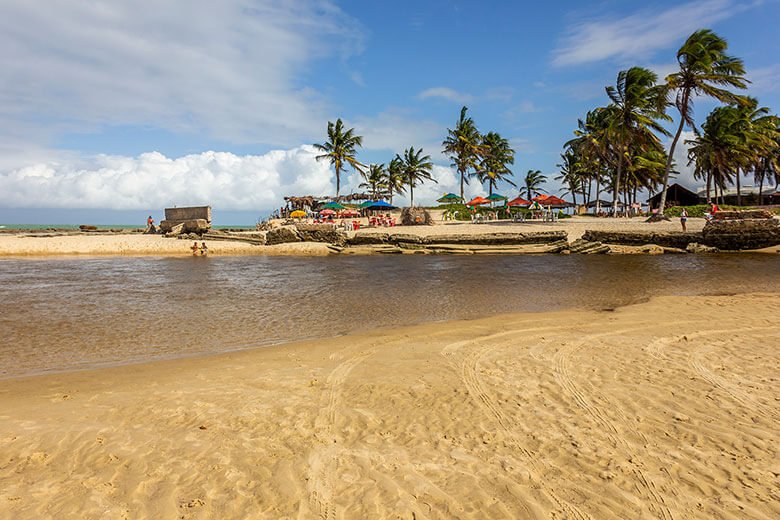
<point>112,110</point>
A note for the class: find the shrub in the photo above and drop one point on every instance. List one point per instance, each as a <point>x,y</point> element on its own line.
<point>699,210</point>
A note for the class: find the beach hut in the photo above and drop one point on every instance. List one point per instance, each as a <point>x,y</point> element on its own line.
<point>677,195</point>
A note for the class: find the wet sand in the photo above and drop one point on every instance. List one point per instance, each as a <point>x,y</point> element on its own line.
<point>666,409</point>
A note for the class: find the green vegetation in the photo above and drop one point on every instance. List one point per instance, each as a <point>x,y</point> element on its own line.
<point>340,148</point>
<point>696,211</point>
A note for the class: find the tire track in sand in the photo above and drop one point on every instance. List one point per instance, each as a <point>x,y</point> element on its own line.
<point>647,487</point>
<point>468,369</point>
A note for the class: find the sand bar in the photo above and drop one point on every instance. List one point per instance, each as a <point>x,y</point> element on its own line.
<point>667,409</point>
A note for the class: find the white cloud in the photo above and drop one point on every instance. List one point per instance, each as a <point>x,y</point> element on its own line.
<point>395,130</point>
<point>224,180</point>
<point>230,69</point>
<point>640,34</point>
<point>685,177</point>
<point>445,93</point>
<point>764,79</point>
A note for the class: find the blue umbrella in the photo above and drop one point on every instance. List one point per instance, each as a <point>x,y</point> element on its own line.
<point>380,205</point>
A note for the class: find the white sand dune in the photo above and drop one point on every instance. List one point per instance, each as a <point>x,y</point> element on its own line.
<point>668,409</point>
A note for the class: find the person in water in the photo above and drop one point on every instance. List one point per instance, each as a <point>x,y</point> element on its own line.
<point>203,249</point>
<point>194,249</point>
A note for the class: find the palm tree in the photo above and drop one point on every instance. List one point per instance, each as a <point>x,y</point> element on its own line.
<point>340,149</point>
<point>637,106</point>
<point>417,169</point>
<point>571,176</point>
<point>495,156</point>
<point>395,177</point>
<point>704,69</point>
<point>462,145</point>
<point>533,180</point>
<point>757,131</point>
<point>716,150</point>
<point>376,180</point>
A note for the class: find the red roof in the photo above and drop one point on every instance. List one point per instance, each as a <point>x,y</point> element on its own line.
<point>477,201</point>
<point>519,201</point>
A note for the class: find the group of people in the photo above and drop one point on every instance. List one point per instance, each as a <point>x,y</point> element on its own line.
<point>707,216</point>
<point>201,250</point>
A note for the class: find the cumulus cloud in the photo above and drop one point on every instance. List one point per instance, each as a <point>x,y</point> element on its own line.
<point>224,180</point>
<point>640,34</point>
<point>397,130</point>
<point>232,70</point>
<point>445,93</point>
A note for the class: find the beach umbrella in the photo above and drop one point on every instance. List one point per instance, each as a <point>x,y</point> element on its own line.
<point>519,201</point>
<point>476,201</point>
<point>496,197</point>
<point>366,204</point>
<point>449,198</point>
<point>327,212</point>
<point>332,205</point>
<point>380,205</point>
<point>298,213</point>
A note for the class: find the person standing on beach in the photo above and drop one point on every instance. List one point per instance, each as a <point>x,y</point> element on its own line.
<point>684,218</point>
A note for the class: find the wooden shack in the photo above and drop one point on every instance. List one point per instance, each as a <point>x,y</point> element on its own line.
<point>193,219</point>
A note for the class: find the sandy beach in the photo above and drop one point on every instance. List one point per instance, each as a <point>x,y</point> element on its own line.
<point>135,244</point>
<point>666,409</point>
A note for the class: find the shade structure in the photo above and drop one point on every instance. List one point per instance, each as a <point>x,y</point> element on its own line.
<point>449,198</point>
<point>380,205</point>
<point>332,205</point>
<point>519,201</point>
<point>551,200</point>
<point>349,213</point>
<point>496,197</point>
<point>366,204</point>
<point>477,201</point>
<point>298,213</point>
<point>327,212</point>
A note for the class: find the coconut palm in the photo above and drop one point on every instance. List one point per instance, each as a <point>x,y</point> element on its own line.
<point>416,170</point>
<point>462,145</point>
<point>533,180</point>
<point>495,156</point>
<point>395,177</point>
<point>705,69</point>
<point>571,177</point>
<point>376,180</point>
<point>716,150</point>
<point>757,131</point>
<point>339,149</point>
<point>638,104</point>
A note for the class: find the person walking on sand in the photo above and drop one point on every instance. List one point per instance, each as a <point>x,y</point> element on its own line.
<point>203,249</point>
<point>194,249</point>
<point>684,218</point>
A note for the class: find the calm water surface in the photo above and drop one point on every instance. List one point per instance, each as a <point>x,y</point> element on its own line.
<point>66,314</point>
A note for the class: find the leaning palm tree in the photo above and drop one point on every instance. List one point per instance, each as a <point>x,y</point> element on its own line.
<point>638,104</point>
<point>339,149</point>
<point>394,177</point>
<point>495,157</point>
<point>376,180</point>
<point>417,169</point>
<point>533,180</point>
<point>462,145</point>
<point>705,69</point>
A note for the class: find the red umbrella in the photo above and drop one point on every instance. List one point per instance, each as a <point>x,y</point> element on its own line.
<point>519,201</point>
<point>477,201</point>
<point>550,200</point>
<point>327,212</point>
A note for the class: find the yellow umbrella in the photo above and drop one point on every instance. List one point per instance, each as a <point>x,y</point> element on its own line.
<point>298,213</point>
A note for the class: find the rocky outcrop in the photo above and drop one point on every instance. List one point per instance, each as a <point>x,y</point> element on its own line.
<point>321,233</point>
<point>669,239</point>
<point>498,239</point>
<point>736,234</point>
<point>586,247</point>
<point>197,225</point>
<point>748,214</point>
<point>695,247</point>
<point>282,235</point>
<point>368,239</point>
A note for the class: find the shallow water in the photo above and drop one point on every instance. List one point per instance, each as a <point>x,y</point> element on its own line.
<point>66,314</point>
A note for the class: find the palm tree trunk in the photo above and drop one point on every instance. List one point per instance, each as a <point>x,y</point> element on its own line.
<point>739,195</point>
<point>760,189</point>
<point>671,154</point>
<point>411,195</point>
<point>616,189</point>
<point>709,181</point>
<point>462,179</point>
<point>338,181</point>
<point>598,195</point>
